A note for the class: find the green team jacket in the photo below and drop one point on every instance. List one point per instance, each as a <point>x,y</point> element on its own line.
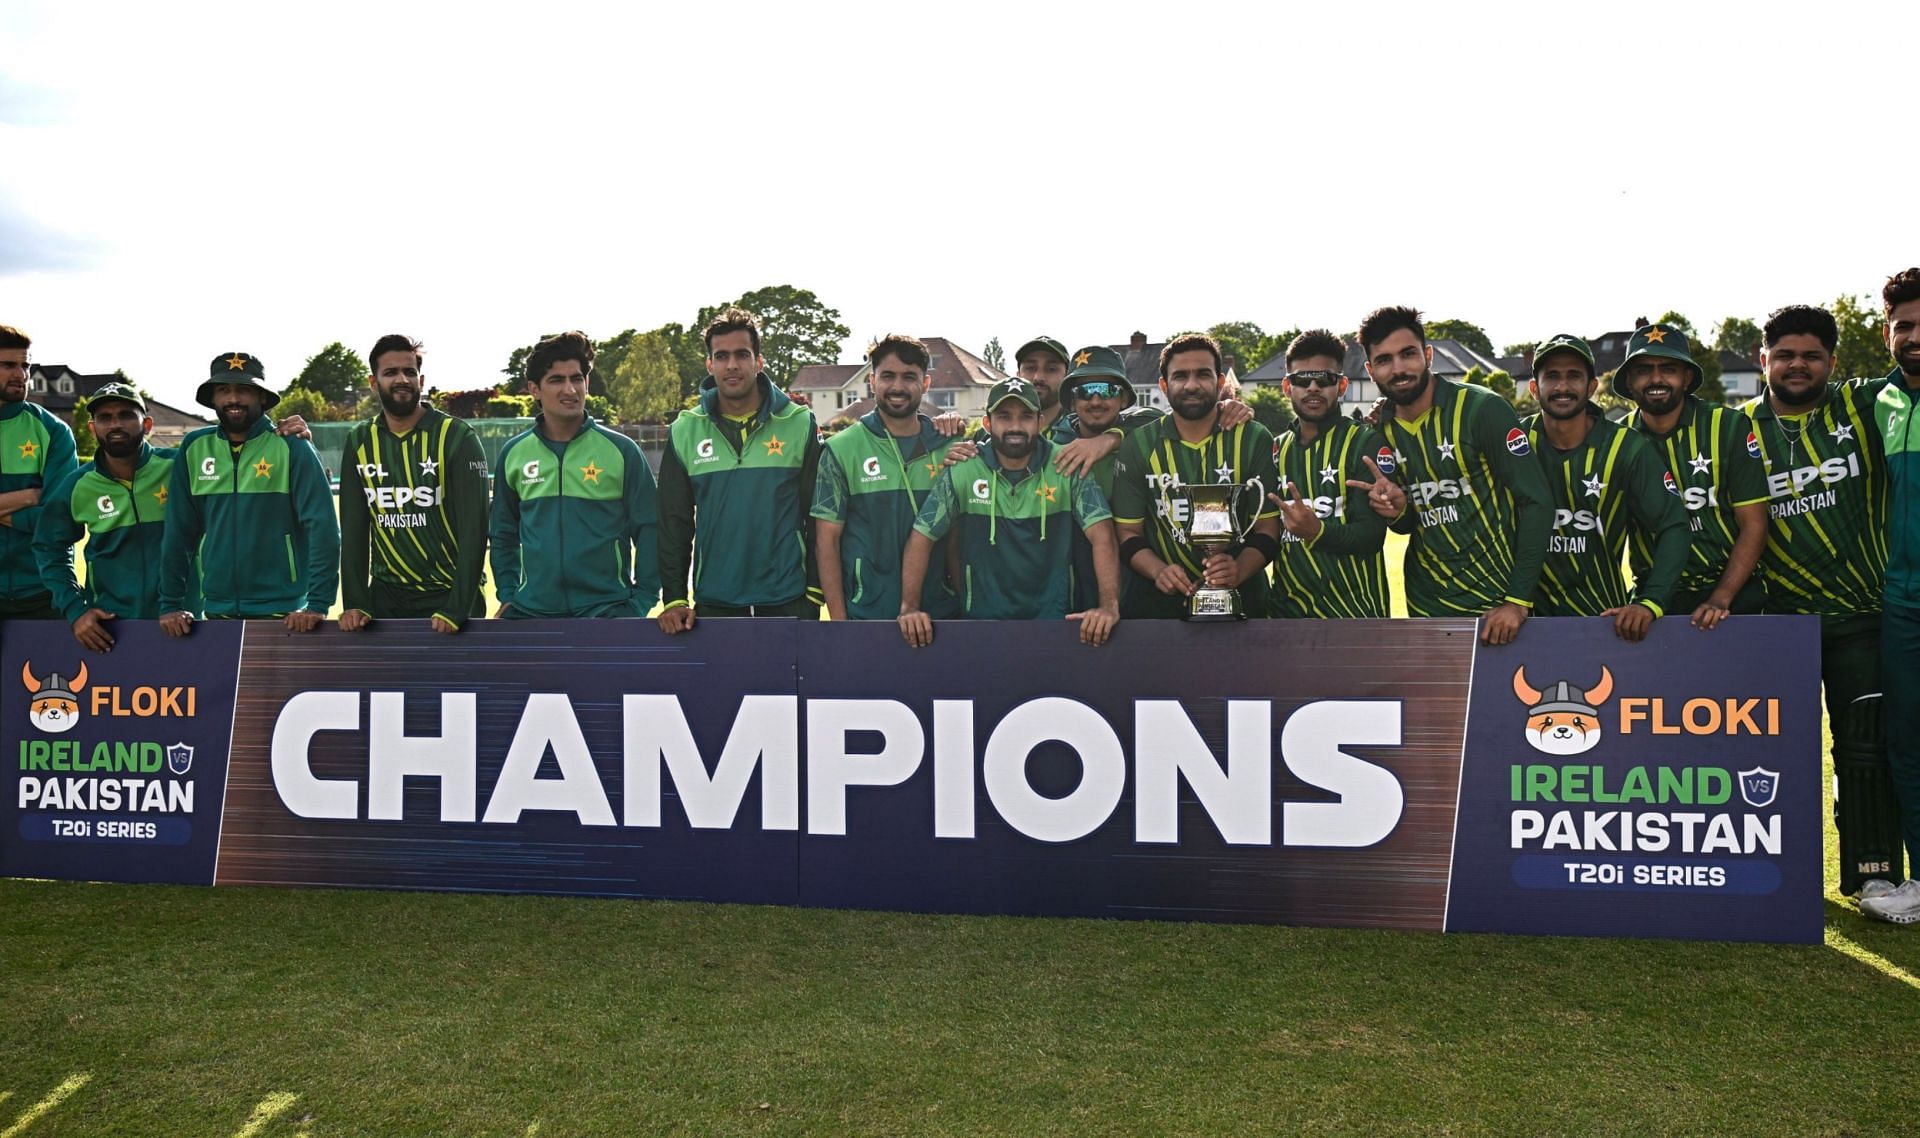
<point>260,519</point>
<point>872,485</point>
<point>1893,415</point>
<point>1015,532</point>
<point>736,501</point>
<point>575,524</point>
<point>1066,429</point>
<point>413,513</point>
<point>36,450</point>
<point>124,524</point>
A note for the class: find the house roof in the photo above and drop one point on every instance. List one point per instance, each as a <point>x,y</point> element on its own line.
<point>1143,362</point>
<point>953,367</point>
<point>42,380</point>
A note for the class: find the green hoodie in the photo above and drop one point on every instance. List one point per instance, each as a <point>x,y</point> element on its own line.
<point>124,524</point>
<point>36,450</point>
<point>735,501</point>
<point>1893,417</point>
<point>260,516</point>
<point>574,524</point>
<point>1015,531</point>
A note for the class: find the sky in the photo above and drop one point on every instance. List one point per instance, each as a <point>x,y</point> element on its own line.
<point>182,181</point>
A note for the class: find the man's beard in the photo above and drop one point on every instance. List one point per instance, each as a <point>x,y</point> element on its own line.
<point>1412,394</point>
<point>1909,361</point>
<point>1014,445</point>
<point>249,416</point>
<point>399,401</point>
<point>907,411</point>
<point>1806,397</point>
<point>121,446</point>
<point>1197,407</point>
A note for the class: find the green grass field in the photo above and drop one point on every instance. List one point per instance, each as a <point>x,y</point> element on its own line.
<point>149,1010</point>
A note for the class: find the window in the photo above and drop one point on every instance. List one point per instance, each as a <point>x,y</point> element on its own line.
<point>943,400</point>
<point>65,385</point>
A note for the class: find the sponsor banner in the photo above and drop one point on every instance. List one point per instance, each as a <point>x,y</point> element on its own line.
<point>522,756</point>
<point>1301,772</point>
<point>114,762</point>
<point>1279,771</point>
<point>1663,789</point>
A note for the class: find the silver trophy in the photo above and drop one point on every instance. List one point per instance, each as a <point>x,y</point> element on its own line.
<point>1211,527</point>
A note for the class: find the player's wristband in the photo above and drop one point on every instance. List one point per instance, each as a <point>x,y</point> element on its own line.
<point>1268,547</point>
<point>1655,609</point>
<point>1135,544</point>
<point>679,604</point>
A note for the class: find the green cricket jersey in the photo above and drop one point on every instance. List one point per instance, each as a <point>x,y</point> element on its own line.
<point>413,514</point>
<point>1610,484</point>
<point>1478,507</point>
<point>1015,532</point>
<point>1827,521</point>
<point>1713,456</point>
<point>123,523</point>
<point>1153,462</point>
<point>574,530</point>
<point>260,517</point>
<point>36,450</point>
<point>1342,572</point>
<point>872,483</point>
<point>736,501</point>
<point>1893,414</point>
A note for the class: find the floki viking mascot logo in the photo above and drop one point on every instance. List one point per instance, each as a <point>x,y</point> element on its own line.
<point>1563,720</point>
<point>55,706</point>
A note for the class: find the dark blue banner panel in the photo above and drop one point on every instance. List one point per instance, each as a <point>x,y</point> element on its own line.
<point>1667,788</point>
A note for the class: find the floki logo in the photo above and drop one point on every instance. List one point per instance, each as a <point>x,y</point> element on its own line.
<point>56,706</point>
<point>1563,720</point>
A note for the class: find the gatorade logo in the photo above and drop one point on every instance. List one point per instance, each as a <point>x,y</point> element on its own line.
<point>871,467</point>
<point>980,489</point>
<point>104,503</point>
<point>1753,444</point>
<point>1384,460</point>
<point>207,467</point>
<point>705,449</point>
<point>1517,443</point>
<point>531,471</point>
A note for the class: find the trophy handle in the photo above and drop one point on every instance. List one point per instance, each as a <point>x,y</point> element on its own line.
<point>1250,486</point>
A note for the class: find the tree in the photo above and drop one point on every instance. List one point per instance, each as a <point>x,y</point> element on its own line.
<point>1501,382</point>
<point>302,401</point>
<point>646,386</point>
<point>515,371</point>
<point>995,356</point>
<point>1271,408</point>
<point>84,444</point>
<point>1705,357</point>
<point>1862,350</point>
<point>795,329</point>
<point>1248,344</point>
<point>333,373</point>
<point>1518,349</point>
<point>1463,332</point>
<point>1738,335</point>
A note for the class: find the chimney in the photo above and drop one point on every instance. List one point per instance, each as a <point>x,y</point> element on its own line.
<point>1228,362</point>
<point>1139,342</point>
<point>1640,322</point>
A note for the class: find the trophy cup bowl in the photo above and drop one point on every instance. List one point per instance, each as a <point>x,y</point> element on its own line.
<point>1211,527</point>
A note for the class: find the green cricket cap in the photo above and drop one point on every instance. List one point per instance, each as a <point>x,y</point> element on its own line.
<point>1014,388</point>
<point>117,392</point>
<point>1662,341</point>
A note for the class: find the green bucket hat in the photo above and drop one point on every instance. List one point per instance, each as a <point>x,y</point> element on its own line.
<point>1662,341</point>
<point>1098,362</point>
<point>1014,388</point>
<point>1564,342</point>
<point>1047,342</point>
<point>240,370</point>
<point>117,392</point>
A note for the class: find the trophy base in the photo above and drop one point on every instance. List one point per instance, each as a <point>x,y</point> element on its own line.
<point>1215,604</point>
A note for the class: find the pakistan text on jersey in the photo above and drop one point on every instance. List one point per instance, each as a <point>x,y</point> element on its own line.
<point>401,521</point>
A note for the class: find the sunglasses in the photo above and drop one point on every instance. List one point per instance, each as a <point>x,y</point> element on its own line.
<point>1313,378</point>
<point>1098,389</point>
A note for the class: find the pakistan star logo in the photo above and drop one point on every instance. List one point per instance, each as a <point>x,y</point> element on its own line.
<point>236,363</point>
<point>590,473</point>
<point>1656,334</point>
<point>29,449</point>
<point>160,495</point>
<point>262,469</point>
<point>1043,492</point>
<point>776,446</point>
<point>1081,359</point>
